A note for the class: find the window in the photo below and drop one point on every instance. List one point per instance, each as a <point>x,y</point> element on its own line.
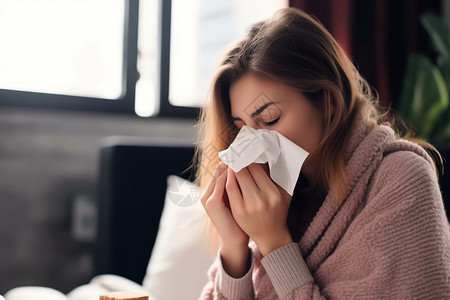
<point>147,57</point>
<point>62,50</point>
<point>201,32</point>
<point>73,54</point>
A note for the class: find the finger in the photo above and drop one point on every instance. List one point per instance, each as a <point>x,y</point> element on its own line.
<point>246,183</point>
<point>260,177</point>
<point>219,188</point>
<point>234,192</point>
<point>284,195</point>
<point>212,182</point>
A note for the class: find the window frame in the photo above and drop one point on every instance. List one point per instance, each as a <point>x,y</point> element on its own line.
<point>166,109</point>
<point>123,104</point>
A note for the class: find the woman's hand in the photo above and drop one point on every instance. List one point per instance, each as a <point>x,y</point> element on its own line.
<point>234,249</point>
<point>259,206</point>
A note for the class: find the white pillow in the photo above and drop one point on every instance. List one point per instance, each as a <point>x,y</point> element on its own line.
<point>180,257</point>
<point>34,293</point>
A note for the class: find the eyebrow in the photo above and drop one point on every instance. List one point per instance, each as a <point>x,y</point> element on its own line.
<point>257,112</point>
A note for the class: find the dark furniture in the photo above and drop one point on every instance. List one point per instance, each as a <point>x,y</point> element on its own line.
<point>131,192</point>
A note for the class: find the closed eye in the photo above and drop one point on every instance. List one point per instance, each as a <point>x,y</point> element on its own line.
<point>271,123</point>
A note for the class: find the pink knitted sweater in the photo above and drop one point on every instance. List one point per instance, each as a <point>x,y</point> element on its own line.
<point>390,239</point>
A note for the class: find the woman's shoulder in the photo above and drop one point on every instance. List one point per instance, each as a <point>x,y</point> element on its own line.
<point>405,171</point>
<point>404,190</point>
<point>407,163</point>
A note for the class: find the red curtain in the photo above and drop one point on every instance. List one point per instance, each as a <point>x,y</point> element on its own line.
<point>377,34</point>
<point>334,15</point>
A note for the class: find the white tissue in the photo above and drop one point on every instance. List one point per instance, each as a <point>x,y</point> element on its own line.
<point>284,157</point>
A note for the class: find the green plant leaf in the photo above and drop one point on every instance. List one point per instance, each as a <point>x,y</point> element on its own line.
<point>424,96</point>
<point>444,66</point>
<point>439,33</point>
<point>441,134</point>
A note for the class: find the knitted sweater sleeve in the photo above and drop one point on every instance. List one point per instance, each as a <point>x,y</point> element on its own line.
<point>397,248</point>
<point>223,286</point>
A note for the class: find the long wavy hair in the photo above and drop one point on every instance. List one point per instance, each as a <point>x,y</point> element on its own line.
<point>293,48</point>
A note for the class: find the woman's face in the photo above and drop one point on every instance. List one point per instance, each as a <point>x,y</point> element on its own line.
<point>260,102</point>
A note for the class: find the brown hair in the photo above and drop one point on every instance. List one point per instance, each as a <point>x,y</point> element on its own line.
<point>293,48</point>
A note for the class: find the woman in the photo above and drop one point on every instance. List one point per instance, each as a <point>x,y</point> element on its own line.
<point>366,219</point>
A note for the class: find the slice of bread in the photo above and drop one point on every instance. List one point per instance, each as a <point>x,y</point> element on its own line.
<point>123,296</point>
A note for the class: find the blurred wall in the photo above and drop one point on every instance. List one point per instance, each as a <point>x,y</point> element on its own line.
<point>48,164</point>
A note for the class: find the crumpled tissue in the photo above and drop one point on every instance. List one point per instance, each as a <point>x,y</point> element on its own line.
<point>284,157</point>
